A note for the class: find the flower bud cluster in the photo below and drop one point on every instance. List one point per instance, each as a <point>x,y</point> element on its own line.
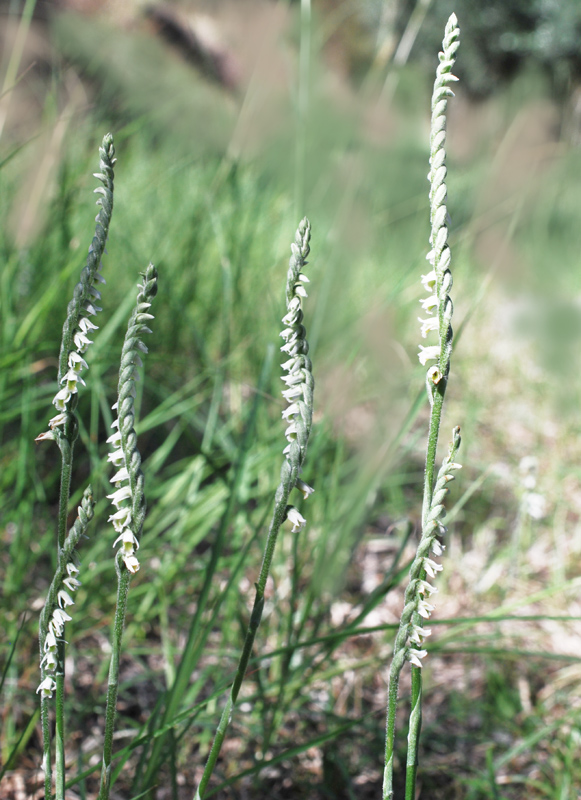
<point>55,630</point>
<point>438,282</point>
<point>420,590</point>
<point>128,497</point>
<point>298,381</point>
<point>78,327</point>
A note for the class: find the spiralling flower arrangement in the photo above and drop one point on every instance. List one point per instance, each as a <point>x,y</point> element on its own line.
<point>438,308</point>
<point>128,497</point>
<point>64,584</point>
<point>78,327</point>
<point>299,379</point>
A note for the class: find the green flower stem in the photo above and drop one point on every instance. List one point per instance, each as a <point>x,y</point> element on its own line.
<point>438,282</point>
<point>415,724</point>
<point>66,553</point>
<point>297,434</point>
<point>123,580</point>
<point>126,562</point>
<point>80,305</point>
<point>46,759</point>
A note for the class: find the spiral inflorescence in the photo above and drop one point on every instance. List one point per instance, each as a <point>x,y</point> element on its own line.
<point>438,282</point>
<point>77,326</point>
<point>299,378</point>
<point>129,495</point>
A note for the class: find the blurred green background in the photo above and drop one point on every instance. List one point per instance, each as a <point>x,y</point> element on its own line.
<point>231,121</point>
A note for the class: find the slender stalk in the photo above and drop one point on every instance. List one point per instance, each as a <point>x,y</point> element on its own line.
<point>438,282</point>
<point>123,579</point>
<point>128,498</point>
<point>300,396</point>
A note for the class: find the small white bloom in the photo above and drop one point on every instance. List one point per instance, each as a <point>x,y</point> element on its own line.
<point>418,634</point>
<point>291,347</point>
<point>304,488</point>
<point>429,303</point>
<point>47,687</point>
<point>426,588</point>
<point>56,628</point>
<point>300,290</point>
<point>437,548</point>
<point>117,458</point>
<point>289,365</point>
<point>433,374</point>
<point>291,432</point>
<point>128,540</point>
<point>72,584</point>
<point>64,599</point>
<point>296,518</point>
<point>71,379</point>
<point>115,439</point>
<point>119,495</point>
<point>57,421</point>
<point>431,567</point>
<point>72,569</point>
<point>303,278</point>
<point>77,362</point>
<point>287,333</point>
<point>60,617</point>
<point>120,519</point>
<point>50,643</point>
<point>121,476</point>
<point>414,656</point>
<point>46,436</point>
<point>85,325</point>
<point>61,399</point>
<point>430,324</point>
<point>81,341</point>
<point>429,281</point>
<point>425,608</point>
<point>292,392</point>
<point>131,562</point>
<point>49,660</point>
<point>292,378</point>
<point>290,411</point>
<point>428,353</point>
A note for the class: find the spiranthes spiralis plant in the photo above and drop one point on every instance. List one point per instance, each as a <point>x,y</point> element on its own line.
<point>128,497</point>
<point>298,416</point>
<point>438,307</point>
<point>63,429</point>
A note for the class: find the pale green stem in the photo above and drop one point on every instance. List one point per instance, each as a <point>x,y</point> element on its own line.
<point>124,577</point>
<point>436,384</point>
